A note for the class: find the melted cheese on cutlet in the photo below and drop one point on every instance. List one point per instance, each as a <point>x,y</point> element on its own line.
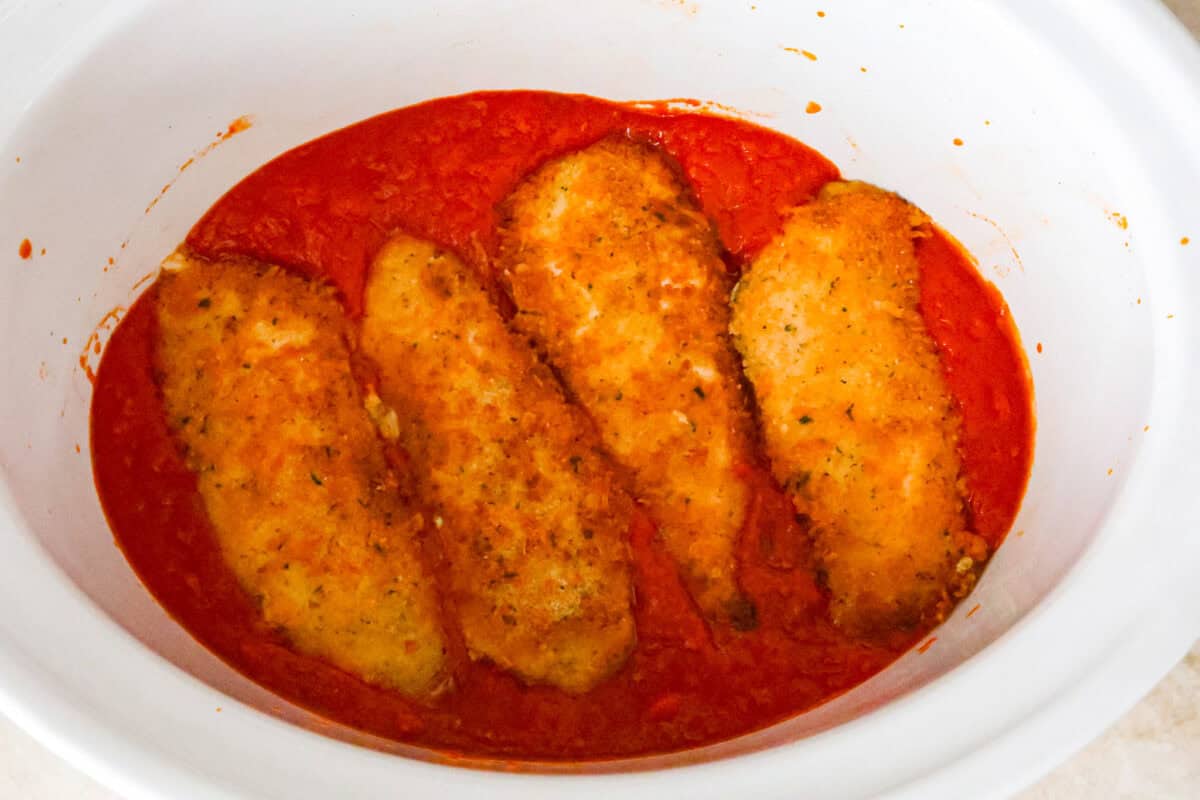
<point>256,380</point>
<point>859,423</point>
<point>618,278</point>
<point>530,515</point>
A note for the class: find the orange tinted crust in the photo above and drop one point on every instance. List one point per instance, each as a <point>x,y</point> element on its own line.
<point>255,373</point>
<point>531,518</point>
<point>618,278</point>
<point>859,424</point>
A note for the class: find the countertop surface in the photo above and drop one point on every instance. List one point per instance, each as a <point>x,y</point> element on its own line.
<point>1152,753</point>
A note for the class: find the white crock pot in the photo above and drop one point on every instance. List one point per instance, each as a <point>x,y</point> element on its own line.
<point>1075,182</point>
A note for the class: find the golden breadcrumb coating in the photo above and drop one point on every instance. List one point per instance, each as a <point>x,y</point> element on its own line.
<point>255,374</point>
<point>532,521</point>
<point>618,278</point>
<point>859,424</point>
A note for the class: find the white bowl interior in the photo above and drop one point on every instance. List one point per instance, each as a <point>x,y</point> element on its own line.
<point>117,118</point>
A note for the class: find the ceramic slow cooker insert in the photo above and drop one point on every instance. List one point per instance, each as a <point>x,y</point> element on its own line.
<point>1070,186</point>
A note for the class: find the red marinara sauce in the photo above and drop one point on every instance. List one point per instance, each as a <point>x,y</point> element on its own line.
<point>438,169</point>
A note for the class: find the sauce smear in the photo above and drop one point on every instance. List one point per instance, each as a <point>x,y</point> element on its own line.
<point>438,170</point>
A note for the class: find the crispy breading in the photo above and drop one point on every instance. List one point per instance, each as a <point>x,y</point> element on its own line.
<point>533,523</point>
<point>255,374</point>
<point>618,278</point>
<point>859,424</point>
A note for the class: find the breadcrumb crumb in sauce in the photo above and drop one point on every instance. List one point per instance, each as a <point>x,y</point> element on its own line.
<point>438,170</point>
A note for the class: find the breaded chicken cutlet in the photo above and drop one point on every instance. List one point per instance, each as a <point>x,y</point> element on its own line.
<point>618,278</point>
<point>859,424</point>
<point>255,376</point>
<point>532,521</point>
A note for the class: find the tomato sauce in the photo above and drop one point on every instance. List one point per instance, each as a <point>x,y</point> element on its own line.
<point>988,376</point>
<point>438,170</point>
